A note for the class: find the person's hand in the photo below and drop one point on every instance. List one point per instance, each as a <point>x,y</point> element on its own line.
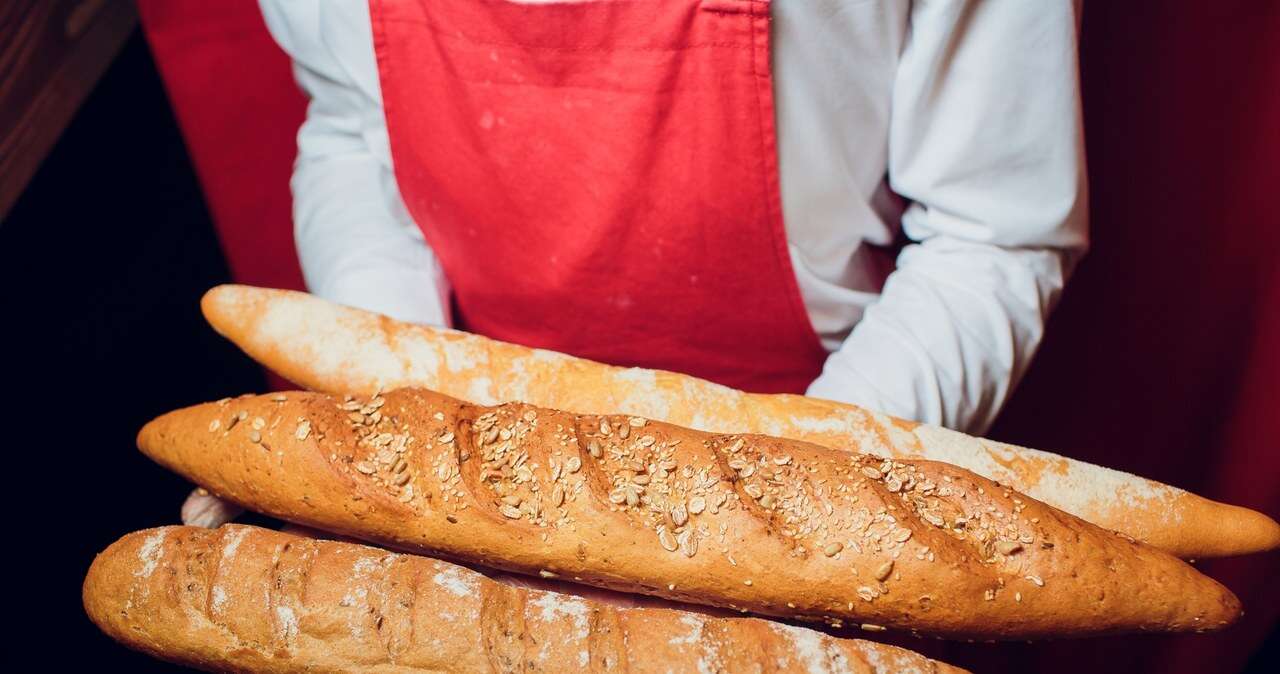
<point>202,509</point>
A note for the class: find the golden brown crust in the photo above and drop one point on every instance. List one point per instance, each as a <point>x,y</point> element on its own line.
<point>778,527</point>
<point>254,600</point>
<point>336,349</point>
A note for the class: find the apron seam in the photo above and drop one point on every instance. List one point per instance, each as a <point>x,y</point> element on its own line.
<point>441,32</point>
<point>773,190</point>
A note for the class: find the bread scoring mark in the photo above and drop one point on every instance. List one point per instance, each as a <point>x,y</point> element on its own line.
<point>288,622</point>
<point>150,551</point>
<point>709,658</point>
<point>457,581</point>
<point>808,647</point>
<point>884,659</point>
<point>694,622</point>
<point>231,542</point>
<point>219,597</point>
<point>554,604</point>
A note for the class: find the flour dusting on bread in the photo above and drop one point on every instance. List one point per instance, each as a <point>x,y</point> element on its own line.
<point>149,553</point>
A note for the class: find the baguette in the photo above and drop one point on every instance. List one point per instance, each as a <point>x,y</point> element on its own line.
<point>335,349</point>
<point>253,600</point>
<point>748,522</point>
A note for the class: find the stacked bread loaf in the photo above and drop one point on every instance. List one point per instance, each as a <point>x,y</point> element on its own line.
<point>854,530</point>
<point>335,349</point>
<point>778,527</point>
<point>254,600</point>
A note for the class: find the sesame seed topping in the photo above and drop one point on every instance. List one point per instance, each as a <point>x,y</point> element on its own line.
<point>883,571</point>
<point>688,543</point>
<point>1008,547</point>
<point>666,540</point>
<point>679,515</point>
<point>832,549</point>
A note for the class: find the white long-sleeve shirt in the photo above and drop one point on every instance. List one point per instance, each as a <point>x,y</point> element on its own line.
<point>967,110</point>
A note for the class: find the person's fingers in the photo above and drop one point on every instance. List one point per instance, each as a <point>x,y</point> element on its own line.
<point>202,509</point>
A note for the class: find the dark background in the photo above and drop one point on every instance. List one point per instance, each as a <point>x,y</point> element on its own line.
<point>103,260</point>
<point>102,264</point>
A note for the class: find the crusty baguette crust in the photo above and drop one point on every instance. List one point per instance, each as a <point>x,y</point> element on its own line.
<point>778,527</point>
<point>253,600</point>
<point>336,349</point>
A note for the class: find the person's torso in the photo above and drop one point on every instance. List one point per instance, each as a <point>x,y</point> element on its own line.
<point>834,63</point>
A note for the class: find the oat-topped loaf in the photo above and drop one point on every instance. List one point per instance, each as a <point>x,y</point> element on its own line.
<point>336,349</point>
<point>248,599</point>
<point>774,526</point>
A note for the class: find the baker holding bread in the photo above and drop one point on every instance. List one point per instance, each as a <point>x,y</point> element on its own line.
<point>713,187</point>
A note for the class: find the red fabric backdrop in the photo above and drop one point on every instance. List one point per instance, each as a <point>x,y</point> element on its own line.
<point>1162,358</point>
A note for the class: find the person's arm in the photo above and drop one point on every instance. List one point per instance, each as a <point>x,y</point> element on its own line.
<point>357,244</point>
<point>986,142</point>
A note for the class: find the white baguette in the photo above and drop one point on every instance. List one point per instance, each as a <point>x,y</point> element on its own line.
<point>336,349</point>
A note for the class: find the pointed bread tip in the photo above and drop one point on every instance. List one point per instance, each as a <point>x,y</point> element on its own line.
<point>1214,529</point>
<point>1255,531</point>
<point>222,305</point>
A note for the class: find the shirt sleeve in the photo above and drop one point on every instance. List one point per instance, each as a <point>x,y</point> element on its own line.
<point>985,142</point>
<point>356,242</point>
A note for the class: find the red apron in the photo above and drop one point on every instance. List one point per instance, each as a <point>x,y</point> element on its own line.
<point>600,178</point>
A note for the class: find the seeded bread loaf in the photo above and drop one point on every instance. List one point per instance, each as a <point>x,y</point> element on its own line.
<point>778,527</point>
<point>254,600</point>
<point>335,349</point>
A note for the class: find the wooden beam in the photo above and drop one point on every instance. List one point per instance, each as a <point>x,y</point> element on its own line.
<point>52,53</point>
